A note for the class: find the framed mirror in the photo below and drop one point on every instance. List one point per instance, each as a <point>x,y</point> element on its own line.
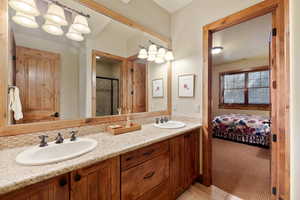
<point>85,68</point>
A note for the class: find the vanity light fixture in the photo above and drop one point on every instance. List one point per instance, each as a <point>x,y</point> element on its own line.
<point>143,54</point>
<point>151,58</point>
<point>74,35</point>
<point>25,20</point>
<point>159,60</point>
<point>152,50</point>
<point>52,28</point>
<point>161,52</point>
<point>24,6</point>
<point>169,56</point>
<point>216,50</point>
<point>81,25</point>
<point>56,14</point>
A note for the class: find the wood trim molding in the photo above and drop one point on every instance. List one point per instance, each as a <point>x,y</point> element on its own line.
<point>116,16</point>
<point>280,159</point>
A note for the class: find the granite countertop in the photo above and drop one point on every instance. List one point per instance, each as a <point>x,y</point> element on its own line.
<point>15,176</point>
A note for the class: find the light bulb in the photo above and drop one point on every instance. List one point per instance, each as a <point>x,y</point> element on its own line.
<point>161,52</point>
<point>81,24</point>
<point>151,57</point>
<point>169,56</point>
<point>74,35</point>
<point>143,54</point>
<point>152,49</point>
<point>25,20</point>
<point>25,6</point>
<point>56,14</point>
<point>52,28</point>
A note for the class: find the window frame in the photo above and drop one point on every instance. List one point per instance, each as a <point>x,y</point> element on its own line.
<point>246,105</point>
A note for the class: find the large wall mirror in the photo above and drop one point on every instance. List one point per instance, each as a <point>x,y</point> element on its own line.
<point>83,65</point>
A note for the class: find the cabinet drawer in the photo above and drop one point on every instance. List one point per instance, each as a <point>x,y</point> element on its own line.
<point>160,192</point>
<point>139,156</point>
<point>138,180</point>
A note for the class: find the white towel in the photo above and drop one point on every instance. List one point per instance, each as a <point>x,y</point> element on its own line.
<point>15,103</point>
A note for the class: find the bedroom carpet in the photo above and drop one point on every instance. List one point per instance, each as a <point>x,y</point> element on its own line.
<point>241,170</point>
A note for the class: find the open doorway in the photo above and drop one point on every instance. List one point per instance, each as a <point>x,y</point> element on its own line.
<point>279,92</point>
<point>241,109</point>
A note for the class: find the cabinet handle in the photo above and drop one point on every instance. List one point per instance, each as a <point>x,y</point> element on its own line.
<point>77,177</point>
<point>149,175</point>
<point>148,152</point>
<point>129,158</point>
<point>63,182</point>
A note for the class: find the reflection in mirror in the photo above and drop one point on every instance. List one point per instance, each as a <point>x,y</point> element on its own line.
<point>52,69</point>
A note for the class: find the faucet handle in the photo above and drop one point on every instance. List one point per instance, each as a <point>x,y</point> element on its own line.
<point>73,135</point>
<point>59,139</point>
<point>43,142</point>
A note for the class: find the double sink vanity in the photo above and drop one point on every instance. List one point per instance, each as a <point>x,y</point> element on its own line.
<point>152,163</point>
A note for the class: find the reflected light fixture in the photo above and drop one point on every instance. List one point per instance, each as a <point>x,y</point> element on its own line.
<point>74,35</point>
<point>81,25</point>
<point>25,20</point>
<point>25,6</point>
<point>52,28</point>
<point>161,53</point>
<point>216,50</point>
<point>56,14</point>
<point>152,50</point>
<point>143,54</point>
<point>169,55</point>
<point>151,57</point>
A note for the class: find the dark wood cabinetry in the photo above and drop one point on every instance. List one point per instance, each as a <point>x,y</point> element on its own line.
<point>97,182</point>
<point>184,162</point>
<point>160,171</point>
<point>54,189</point>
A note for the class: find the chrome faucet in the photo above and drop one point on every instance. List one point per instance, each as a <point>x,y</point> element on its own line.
<point>59,139</point>
<point>43,142</point>
<point>73,135</point>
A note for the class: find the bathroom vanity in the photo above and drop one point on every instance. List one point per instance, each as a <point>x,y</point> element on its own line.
<point>161,170</point>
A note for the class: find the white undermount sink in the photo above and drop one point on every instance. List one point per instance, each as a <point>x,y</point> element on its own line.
<point>56,152</point>
<point>170,125</point>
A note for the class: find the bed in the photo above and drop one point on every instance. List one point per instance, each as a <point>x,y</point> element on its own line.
<point>248,129</point>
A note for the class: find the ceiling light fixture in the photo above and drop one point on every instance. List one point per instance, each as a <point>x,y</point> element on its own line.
<point>81,25</point>
<point>56,14</point>
<point>25,20</point>
<point>216,50</point>
<point>52,28</point>
<point>98,57</point>
<point>25,6</point>
<point>156,53</point>
<point>74,35</point>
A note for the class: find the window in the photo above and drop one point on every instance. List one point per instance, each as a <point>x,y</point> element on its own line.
<point>245,89</point>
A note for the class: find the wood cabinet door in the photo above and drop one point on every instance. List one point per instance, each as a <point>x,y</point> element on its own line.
<point>139,87</point>
<point>191,160</point>
<point>97,182</point>
<point>177,160</point>
<point>53,189</point>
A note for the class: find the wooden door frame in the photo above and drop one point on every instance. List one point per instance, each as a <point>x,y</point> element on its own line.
<point>94,74</point>
<point>280,176</point>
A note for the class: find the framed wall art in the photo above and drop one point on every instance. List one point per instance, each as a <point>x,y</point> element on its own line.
<point>157,88</point>
<point>186,84</point>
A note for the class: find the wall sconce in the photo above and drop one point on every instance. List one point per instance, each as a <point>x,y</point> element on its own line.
<point>81,25</point>
<point>25,6</point>
<point>56,14</point>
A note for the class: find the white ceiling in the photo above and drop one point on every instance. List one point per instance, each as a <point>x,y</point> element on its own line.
<point>172,5</point>
<point>247,40</point>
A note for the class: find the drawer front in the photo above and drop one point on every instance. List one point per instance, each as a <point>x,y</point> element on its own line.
<point>136,181</point>
<point>139,156</point>
<point>160,192</point>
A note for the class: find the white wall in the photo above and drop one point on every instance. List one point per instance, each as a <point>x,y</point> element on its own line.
<point>144,12</point>
<point>295,99</point>
<point>237,65</point>
<point>186,34</point>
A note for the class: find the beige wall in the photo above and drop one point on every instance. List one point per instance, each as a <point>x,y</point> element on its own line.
<point>295,99</point>
<point>186,32</point>
<point>237,65</point>
<point>157,71</point>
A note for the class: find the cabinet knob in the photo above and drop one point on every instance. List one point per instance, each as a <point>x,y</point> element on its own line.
<point>63,182</point>
<point>77,177</point>
<point>149,175</point>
